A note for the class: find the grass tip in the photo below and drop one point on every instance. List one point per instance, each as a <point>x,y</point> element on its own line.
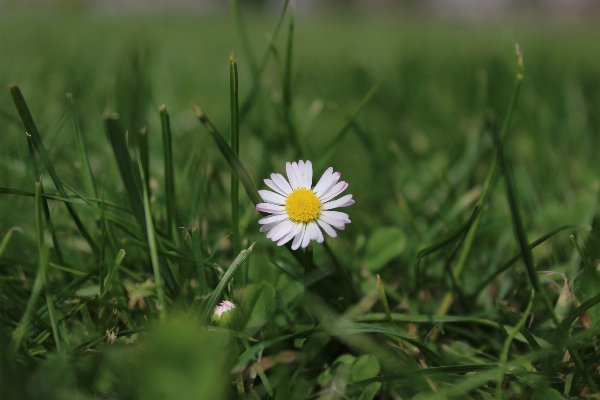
<point>197,111</point>
<point>162,108</point>
<point>232,57</point>
<point>110,115</point>
<point>379,284</point>
<point>13,86</point>
<point>251,247</point>
<point>69,95</point>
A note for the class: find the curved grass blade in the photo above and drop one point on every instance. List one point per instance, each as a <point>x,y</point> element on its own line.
<point>332,146</point>
<point>249,102</point>
<point>46,209</point>
<point>451,238</point>
<point>212,300</point>
<point>516,258</point>
<point>31,128</point>
<point>38,284</point>
<point>507,343</point>
<point>230,156</point>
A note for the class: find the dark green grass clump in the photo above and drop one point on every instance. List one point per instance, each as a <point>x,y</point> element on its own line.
<point>469,269</point>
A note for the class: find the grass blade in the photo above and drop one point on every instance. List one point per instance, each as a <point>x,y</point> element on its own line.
<point>212,300</point>
<point>46,209</point>
<point>235,147</point>
<point>200,272</point>
<point>153,246</point>
<point>516,258</point>
<point>170,197</point>
<point>519,228</point>
<point>121,152</point>
<point>119,146</point>
<point>31,128</point>
<point>84,162</point>
<point>38,284</point>
<point>230,156</point>
<point>332,146</point>
<point>450,239</point>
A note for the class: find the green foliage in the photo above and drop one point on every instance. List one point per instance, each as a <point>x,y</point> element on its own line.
<point>119,236</point>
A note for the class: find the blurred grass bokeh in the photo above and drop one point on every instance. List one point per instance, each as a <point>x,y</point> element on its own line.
<point>406,107</point>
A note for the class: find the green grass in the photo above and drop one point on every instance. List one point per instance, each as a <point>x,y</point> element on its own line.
<point>469,269</point>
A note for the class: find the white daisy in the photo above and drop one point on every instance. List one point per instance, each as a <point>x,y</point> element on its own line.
<point>299,210</point>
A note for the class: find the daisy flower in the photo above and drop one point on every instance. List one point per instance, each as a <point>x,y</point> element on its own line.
<point>298,210</point>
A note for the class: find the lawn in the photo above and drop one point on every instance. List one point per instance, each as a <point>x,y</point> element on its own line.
<point>128,210</point>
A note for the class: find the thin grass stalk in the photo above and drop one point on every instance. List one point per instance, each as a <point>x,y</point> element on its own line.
<point>489,181</point>
<point>153,247</point>
<point>144,156</point>
<point>586,262</point>
<point>84,162</point>
<point>6,239</point>
<point>288,112</point>
<point>234,143</point>
<point>38,284</point>
<point>200,272</point>
<point>36,172</point>
<point>165,122</point>
<point>249,101</point>
<point>506,346</point>
<point>237,14</point>
<point>31,128</point>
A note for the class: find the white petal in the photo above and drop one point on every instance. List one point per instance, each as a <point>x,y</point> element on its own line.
<point>324,177</point>
<point>337,215</point>
<point>298,239</point>
<point>320,238</point>
<point>327,228</point>
<point>313,229</point>
<point>341,202</point>
<point>328,183</point>
<point>268,227</point>
<point>301,174</point>
<point>294,233</point>
<point>306,238</point>
<point>308,173</point>
<point>272,197</point>
<point>282,183</point>
<point>273,186</point>
<point>334,191</point>
<point>270,208</point>
<point>291,173</point>
<point>281,230</point>
<point>298,173</point>
<point>336,223</point>
<point>273,218</point>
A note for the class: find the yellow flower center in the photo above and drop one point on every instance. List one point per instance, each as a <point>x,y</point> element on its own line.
<point>303,205</point>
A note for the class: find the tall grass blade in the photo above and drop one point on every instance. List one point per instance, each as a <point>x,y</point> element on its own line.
<point>31,128</point>
<point>153,246</point>
<point>121,152</point>
<point>234,143</point>
<point>170,195</point>
<point>38,284</point>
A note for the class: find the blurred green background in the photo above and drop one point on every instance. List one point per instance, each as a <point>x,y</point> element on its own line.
<point>415,157</point>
